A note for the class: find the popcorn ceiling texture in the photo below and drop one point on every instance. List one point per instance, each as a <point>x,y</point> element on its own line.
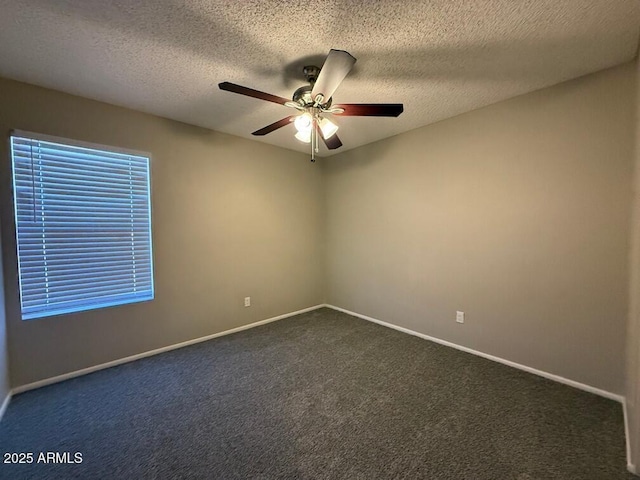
<point>440,58</point>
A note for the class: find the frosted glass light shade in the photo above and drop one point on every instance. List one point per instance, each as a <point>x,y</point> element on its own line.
<point>303,122</point>
<point>304,136</point>
<point>328,128</point>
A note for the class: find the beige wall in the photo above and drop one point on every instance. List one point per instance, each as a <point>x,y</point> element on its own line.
<point>517,214</point>
<point>231,218</point>
<point>633,338</point>
<point>5,383</point>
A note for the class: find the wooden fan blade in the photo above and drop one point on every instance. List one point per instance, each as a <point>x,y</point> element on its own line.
<point>274,126</point>
<point>337,65</point>
<point>250,92</point>
<point>370,109</point>
<point>332,142</point>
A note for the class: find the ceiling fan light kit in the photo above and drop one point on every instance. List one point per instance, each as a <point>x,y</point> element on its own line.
<point>314,101</point>
<point>304,122</point>
<point>328,128</point>
<point>304,137</point>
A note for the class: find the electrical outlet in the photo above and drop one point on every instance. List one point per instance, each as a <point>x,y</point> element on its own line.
<point>460,317</point>
<point>247,301</point>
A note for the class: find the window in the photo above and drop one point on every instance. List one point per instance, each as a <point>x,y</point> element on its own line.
<point>83,225</point>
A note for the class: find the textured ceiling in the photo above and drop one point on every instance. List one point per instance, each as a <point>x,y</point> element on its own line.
<point>440,57</point>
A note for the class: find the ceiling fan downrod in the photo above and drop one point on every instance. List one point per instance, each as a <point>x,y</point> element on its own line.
<point>311,73</point>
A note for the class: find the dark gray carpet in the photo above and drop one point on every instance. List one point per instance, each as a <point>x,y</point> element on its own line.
<point>320,395</point>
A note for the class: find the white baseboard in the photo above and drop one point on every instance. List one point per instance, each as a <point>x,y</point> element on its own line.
<point>5,404</point>
<point>550,376</point>
<point>120,361</point>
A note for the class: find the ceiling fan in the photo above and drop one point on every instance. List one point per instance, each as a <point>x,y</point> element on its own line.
<point>313,103</point>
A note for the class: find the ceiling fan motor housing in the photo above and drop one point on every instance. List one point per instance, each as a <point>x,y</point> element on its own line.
<point>303,97</point>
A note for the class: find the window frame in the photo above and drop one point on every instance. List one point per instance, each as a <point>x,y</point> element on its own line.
<point>88,145</point>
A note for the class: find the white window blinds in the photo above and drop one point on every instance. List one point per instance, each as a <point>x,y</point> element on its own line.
<point>83,226</point>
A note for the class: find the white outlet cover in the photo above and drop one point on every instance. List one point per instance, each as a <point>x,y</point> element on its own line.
<point>460,317</point>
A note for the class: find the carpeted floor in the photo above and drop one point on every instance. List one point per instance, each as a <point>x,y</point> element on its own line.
<point>320,395</point>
